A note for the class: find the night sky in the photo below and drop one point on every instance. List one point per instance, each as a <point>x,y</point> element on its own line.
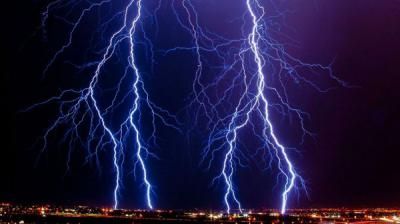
<point>353,160</point>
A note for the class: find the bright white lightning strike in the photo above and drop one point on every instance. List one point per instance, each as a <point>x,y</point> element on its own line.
<point>253,40</point>
<point>82,105</point>
<point>246,65</point>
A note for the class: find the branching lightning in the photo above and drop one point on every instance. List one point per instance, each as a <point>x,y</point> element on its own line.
<point>239,95</point>
<point>77,106</point>
<point>239,86</point>
<point>253,40</point>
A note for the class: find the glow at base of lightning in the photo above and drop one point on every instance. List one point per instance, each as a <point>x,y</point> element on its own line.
<point>77,106</point>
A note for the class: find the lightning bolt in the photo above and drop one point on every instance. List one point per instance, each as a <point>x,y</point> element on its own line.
<point>254,37</point>
<point>80,108</point>
<point>239,84</point>
<point>239,67</point>
<point>134,110</point>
